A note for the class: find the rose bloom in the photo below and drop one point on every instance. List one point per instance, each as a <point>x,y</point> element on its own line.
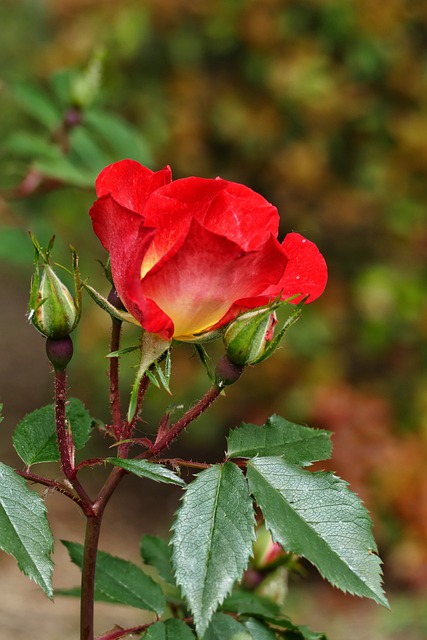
<point>188,256</point>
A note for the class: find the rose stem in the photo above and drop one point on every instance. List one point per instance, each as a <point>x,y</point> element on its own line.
<point>65,440</point>
<point>93,525</point>
<point>114,378</point>
<point>193,413</point>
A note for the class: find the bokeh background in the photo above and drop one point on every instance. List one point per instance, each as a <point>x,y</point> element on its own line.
<point>321,106</point>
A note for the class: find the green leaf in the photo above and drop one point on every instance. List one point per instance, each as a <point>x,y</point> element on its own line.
<point>30,145</point>
<point>246,602</point>
<point>122,138</point>
<point>151,470</point>
<point>61,168</point>
<point>121,581</point>
<point>292,631</point>
<point>212,538</point>
<point>259,630</point>
<point>172,629</point>
<point>297,444</point>
<point>76,592</point>
<point>87,151</point>
<point>224,627</point>
<point>37,104</point>
<point>158,553</point>
<point>24,529</point>
<point>35,436</point>
<point>315,515</point>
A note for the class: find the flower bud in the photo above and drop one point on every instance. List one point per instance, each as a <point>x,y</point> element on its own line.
<point>247,337</point>
<point>52,309</point>
<point>266,553</point>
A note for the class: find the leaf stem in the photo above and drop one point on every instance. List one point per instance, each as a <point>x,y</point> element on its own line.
<point>54,485</point>
<point>165,442</point>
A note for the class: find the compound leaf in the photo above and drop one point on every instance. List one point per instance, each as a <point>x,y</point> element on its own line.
<point>315,515</point>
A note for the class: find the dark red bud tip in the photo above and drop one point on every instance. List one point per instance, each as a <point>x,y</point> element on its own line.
<point>226,372</point>
<point>59,351</point>
<point>113,298</point>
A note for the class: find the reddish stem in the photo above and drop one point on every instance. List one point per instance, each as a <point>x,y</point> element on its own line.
<point>65,440</point>
<point>93,528</point>
<point>55,486</point>
<point>121,633</point>
<point>114,378</point>
<point>179,426</point>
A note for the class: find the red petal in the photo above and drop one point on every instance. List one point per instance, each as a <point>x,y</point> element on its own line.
<point>226,208</point>
<point>130,184</point>
<point>202,276</point>
<point>123,234</point>
<point>306,272</point>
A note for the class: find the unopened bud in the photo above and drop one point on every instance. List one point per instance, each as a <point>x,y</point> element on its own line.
<point>52,309</point>
<point>246,337</point>
<point>266,552</point>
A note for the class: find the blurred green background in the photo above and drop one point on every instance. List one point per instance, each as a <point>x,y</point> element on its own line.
<point>321,106</point>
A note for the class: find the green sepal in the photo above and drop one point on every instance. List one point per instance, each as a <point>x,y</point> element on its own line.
<point>102,302</point>
<point>152,348</point>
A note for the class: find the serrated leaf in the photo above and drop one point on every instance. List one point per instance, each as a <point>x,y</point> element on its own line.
<point>171,629</point>
<point>120,580</point>
<point>151,470</point>
<point>24,529</point>
<point>297,444</point>
<point>315,515</point>
<point>35,436</point>
<point>247,602</point>
<point>158,553</point>
<point>224,627</point>
<point>212,538</point>
<point>259,630</point>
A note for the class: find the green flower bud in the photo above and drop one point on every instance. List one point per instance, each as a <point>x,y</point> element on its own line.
<point>52,309</point>
<point>247,337</point>
<point>266,553</point>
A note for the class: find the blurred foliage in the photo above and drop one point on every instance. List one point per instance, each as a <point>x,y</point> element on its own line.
<point>321,106</point>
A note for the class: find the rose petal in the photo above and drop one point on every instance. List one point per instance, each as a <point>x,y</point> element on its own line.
<point>123,234</point>
<point>198,281</point>
<point>306,272</point>
<point>227,208</point>
<point>130,184</point>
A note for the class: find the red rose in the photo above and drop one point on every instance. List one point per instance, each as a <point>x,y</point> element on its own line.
<point>188,256</point>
